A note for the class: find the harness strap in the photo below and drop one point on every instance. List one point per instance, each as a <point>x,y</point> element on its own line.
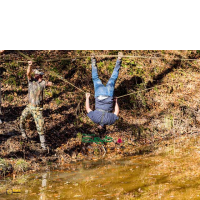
<point>103,114</point>
<point>102,110</point>
<point>102,117</point>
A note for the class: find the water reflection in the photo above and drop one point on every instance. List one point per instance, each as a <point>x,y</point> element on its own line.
<point>43,188</point>
<point>131,179</point>
<point>89,180</point>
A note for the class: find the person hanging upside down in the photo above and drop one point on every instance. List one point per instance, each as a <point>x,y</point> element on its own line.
<point>103,115</point>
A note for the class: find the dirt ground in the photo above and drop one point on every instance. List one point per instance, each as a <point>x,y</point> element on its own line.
<point>165,106</point>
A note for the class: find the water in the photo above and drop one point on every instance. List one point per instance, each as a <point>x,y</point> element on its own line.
<point>165,176</point>
<point>91,180</point>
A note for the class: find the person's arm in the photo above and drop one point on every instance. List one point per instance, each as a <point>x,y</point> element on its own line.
<point>116,111</point>
<point>29,70</point>
<point>87,103</point>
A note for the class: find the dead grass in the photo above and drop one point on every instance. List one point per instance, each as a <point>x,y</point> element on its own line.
<point>160,113</point>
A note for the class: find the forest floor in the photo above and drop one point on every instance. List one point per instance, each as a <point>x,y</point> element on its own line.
<point>165,106</point>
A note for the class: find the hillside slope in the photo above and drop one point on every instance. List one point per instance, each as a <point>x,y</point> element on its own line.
<point>165,104</point>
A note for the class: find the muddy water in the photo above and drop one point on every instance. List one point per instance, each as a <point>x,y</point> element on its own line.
<point>149,177</point>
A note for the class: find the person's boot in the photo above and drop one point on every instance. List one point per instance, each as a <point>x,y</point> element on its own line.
<point>43,142</point>
<point>24,136</point>
<point>93,60</point>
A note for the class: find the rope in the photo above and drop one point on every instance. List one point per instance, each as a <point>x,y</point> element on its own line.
<point>24,55</point>
<point>153,87</point>
<point>52,73</point>
<point>110,56</point>
<point>63,79</point>
<point>139,91</point>
<point>60,77</point>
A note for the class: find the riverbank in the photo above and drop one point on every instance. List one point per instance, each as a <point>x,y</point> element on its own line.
<point>164,106</point>
<point>170,171</point>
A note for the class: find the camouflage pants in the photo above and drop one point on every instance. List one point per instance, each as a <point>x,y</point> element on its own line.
<point>36,112</point>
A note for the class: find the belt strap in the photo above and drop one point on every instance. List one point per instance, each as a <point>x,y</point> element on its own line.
<point>102,117</point>
<point>102,110</point>
<point>103,114</point>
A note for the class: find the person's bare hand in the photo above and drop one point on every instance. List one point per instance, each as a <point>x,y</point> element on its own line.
<point>120,55</point>
<point>30,62</point>
<point>87,95</point>
<point>49,83</point>
<point>115,99</point>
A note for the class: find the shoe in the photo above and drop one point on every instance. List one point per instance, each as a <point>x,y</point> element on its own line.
<point>92,56</point>
<point>24,136</point>
<point>120,55</point>
<point>44,150</point>
<point>44,147</point>
<point>43,143</point>
<point>93,60</point>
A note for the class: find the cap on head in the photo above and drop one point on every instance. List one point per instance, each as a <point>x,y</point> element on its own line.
<point>37,72</point>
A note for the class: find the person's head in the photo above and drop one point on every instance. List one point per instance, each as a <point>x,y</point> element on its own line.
<point>38,75</point>
<point>101,129</point>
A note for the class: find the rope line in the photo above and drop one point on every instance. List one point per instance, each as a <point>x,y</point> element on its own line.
<point>124,56</point>
<point>139,91</point>
<point>53,73</point>
<point>63,79</point>
<point>60,77</point>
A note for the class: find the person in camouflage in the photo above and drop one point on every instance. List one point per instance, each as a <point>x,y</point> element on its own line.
<point>36,88</point>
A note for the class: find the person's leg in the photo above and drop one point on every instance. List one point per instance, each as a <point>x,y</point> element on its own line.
<point>99,88</point>
<point>111,82</point>
<point>39,121</point>
<point>26,113</point>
